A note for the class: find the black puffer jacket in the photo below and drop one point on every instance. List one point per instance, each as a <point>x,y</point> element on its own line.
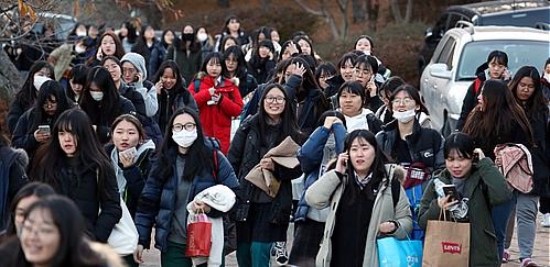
<point>244,154</point>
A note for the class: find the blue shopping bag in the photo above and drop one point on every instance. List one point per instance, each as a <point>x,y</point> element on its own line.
<point>393,252</point>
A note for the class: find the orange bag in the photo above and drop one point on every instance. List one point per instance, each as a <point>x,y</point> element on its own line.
<point>199,236</point>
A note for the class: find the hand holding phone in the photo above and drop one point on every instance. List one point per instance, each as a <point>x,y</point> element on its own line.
<point>44,128</point>
<point>342,162</point>
<point>451,192</point>
<point>127,156</point>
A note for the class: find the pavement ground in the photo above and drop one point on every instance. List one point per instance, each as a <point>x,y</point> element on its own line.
<point>541,251</point>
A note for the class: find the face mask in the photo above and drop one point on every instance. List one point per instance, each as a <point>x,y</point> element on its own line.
<point>404,116</point>
<point>38,81</point>
<point>187,36</point>
<point>79,49</point>
<point>184,138</point>
<point>202,36</point>
<point>97,96</point>
<point>80,33</point>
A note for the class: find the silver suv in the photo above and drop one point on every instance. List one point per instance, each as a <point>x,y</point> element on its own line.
<point>451,70</point>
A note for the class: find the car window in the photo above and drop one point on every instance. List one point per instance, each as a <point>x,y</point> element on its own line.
<point>446,52</point>
<point>520,53</point>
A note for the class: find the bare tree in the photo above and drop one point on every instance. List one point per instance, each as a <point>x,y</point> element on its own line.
<point>358,10</point>
<point>396,10</point>
<point>339,30</point>
<point>373,9</point>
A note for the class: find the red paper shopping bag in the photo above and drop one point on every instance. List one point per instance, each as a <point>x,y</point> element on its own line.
<point>199,236</point>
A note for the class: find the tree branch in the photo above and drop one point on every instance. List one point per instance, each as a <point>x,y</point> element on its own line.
<point>310,10</point>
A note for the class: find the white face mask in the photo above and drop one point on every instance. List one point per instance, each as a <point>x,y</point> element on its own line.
<point>404,116</point>
<point>81,33</point>
<point>97,96</point>
<point>38,81</point>
<point>79,49</point>
<point>202,36</point>
<point>184,138</point>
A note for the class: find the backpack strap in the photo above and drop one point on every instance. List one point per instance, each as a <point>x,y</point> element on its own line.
<point>395,191</point>
<point>196,84</point>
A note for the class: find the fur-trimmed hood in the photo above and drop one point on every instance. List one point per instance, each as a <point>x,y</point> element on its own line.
<point>396,171</point>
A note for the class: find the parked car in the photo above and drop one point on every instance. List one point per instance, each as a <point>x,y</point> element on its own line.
<point>451,70</point>
<point>526,13</point>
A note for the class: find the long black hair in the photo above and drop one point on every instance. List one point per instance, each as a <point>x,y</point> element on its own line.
<point>74,249</point>
<point>200,155</point>
<point>36,189</point>
<point>78,75</point>
<point>51,91</point>
<point>103,80</point>
<point>89,154</point>
<point>241,70</point>
<point>537,104</point>
<point>27,94</point>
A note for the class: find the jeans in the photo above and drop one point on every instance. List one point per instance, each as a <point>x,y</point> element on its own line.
<point>500,214</point>
<point>253,254</point>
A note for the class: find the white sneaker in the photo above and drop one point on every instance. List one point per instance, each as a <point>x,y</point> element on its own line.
<point>279,253</point>
<point>545,220</point>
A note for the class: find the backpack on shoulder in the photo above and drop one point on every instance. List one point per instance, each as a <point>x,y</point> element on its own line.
<point>515,162</point>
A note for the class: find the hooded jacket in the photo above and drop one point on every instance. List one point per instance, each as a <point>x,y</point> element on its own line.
<point>131,180</point>
<point>216,119</point>
<point>149,94</point>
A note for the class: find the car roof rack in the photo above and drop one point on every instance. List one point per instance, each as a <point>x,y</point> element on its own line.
<point>466,25</point>
<point>543,26</point>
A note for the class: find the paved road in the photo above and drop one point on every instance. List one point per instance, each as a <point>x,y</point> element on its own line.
<point>541,253</point>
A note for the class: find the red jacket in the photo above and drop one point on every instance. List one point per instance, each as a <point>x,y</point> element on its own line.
<point>216,119</point>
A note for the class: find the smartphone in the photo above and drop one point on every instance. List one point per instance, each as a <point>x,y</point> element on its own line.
<point>450,189</point>
<point>44,128</point>
<point>130,152</point>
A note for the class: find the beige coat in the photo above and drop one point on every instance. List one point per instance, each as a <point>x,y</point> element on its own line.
<point>328,191</point>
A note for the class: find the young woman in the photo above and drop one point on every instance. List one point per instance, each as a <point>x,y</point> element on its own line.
<point>218,99</point>
<point>346,73</point>
<point>365,44</point>
<point>53,234</point>
<point>323,73</point>
<point>171,93</point>
<point>351,97</point>
<point>323,145</point>
<point>185,166</point>
<point>365,200</point>
<point>545,200</point>
<point>25,197</point>
<point>131,156</point>
<point>148,47</point>
<point>128,34</point>
<point>386,90</point>
<point>365,71</point>
<point>237,71</point>
<point>418,149</point>
<point>77,167</point>
<point>527,90</point>
<point>166,41</point>
<point>227,42</point>
<point>232,27</point>
<point>186,53</point>
<point>102,101</point>
<point>134,75</point>
<point>77,80</point>
<point>262,220</point>
<point>262,63</point>
<point>206,41</point>
<point>33,129</point>
<point>477,179</point>
<point>498,119</point>
<point>289,49</point>
<point>25,97</point>
<point>109,45</point>
<point>304,94</point>
<point>496,67</point>
<point>307,47</point>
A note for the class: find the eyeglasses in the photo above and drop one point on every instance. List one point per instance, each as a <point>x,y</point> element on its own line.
<point>278,100</point>
<point>129,70</point>
<point>178,127</point>
<point>405,101</point>
<point>363,72</point>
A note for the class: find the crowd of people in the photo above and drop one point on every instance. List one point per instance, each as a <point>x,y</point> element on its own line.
<point>116,120</point>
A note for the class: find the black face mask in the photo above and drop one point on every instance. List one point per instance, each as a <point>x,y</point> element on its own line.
<point>187,36</point>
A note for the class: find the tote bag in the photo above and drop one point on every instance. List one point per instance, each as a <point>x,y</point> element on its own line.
<point>393,252</point>
<point>124,237</point>
<point>199,236</point>
<point>447,243</point>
